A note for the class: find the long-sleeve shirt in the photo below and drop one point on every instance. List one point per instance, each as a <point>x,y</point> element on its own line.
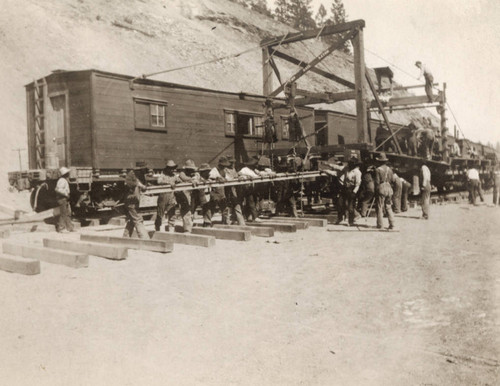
<point>247,172</point>
<point>353,179</point>
<point>62,187</point>
<point>425,175</point>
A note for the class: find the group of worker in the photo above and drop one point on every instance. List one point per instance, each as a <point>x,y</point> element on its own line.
<point>356,188</point>
<point>377,185</point>
<point>237,204</point>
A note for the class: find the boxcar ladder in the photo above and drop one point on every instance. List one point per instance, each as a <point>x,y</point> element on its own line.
<point>40,119</point>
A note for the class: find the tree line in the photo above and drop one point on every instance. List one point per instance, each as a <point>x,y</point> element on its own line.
<point>299,14</point>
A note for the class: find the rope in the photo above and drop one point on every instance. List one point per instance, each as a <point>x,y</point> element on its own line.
<point>144,76</point>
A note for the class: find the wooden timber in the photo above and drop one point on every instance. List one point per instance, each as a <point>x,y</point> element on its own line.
<point>49,255</point>
<point>286,227</point>
<point>22,265</point>
<point>224,234</point>
<point>112,252</point>
<point>300,224</point>
<point>313,222</point>
<point>185,238</point>
<point>142,244</point>
<point>256,231</point>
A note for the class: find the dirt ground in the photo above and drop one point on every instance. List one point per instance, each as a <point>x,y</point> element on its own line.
<point>335,306</point>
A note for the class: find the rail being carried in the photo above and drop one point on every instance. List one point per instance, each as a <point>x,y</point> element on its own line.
<point>301,176</point>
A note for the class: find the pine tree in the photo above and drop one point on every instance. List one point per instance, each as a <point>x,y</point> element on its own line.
<point>338,16</point>
<point>321,16</point>
<point>282,11</point>
<point>295,13</point>
<point>261,7</point>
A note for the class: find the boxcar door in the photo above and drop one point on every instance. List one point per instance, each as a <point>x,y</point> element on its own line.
<point>57,128</point>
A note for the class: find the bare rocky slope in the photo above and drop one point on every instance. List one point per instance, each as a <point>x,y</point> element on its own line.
<point>39,36</point>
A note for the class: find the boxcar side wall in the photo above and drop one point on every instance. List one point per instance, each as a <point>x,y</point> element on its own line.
<point>80,120</point>
<point>195,124</point>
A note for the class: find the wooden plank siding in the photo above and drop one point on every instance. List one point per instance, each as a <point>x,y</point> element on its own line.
<point>195,124</point>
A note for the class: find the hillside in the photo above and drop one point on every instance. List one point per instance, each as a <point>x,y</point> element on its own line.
<point>39,36</point>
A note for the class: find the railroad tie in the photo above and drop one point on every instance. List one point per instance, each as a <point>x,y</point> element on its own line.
<point>223,234</point>
<point>21,265</point>
<point>113,252</point>
<point>185,238</point>
<point>48,255</point>
<point>142,244</point>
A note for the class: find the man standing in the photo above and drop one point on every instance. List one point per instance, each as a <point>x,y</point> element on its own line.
<point>166,201</point>
<point>405,188</point>
<point>134,187</point>
<point>397,187</point>
<point>429,80</point>
<point>217,195</point>
<point>64,223</point>
<point>201,197</point>
<point>383,178</point>
<point>496,187</point>
<point>367,191</point>
<point>352,182</point>
<point>184,198</point>
<point>234,194</point>
<point>425,189</point>
<point>473,184</point>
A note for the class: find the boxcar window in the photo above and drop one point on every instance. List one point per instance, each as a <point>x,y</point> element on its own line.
<point>242,123</point>
<point>285,128</point>
<point>157,115</point>
<point>149,115</point>
<point>230,122</point>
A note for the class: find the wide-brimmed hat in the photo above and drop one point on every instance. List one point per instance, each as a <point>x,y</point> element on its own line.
<point>204,167</point>
<point>189,164</point>
<point>170,164</point>
<point>63,170</point>
<point>224,162</point>
<point>264,162</point>
<point>382,157</point>
<point>418,62</point>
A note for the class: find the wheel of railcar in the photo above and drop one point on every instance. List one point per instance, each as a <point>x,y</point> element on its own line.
<point>42,198</point>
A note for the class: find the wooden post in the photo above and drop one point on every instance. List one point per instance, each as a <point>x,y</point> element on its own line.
<point>360,86</point>
<point>267,73</point>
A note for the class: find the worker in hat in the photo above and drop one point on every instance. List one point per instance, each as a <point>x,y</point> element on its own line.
<point>184,198</point>
<point>352,182</point>
<point>217,195</point>
<point>62,190</point>
<point>234,194</point>
<point>383,190</point>
<point>166,201</point>
<point>429,79</point>
<point>133,188</point>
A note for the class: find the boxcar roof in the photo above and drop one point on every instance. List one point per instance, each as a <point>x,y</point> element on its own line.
<point>139,80</point>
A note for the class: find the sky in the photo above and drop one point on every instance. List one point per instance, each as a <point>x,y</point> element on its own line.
<point>458,39</point>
